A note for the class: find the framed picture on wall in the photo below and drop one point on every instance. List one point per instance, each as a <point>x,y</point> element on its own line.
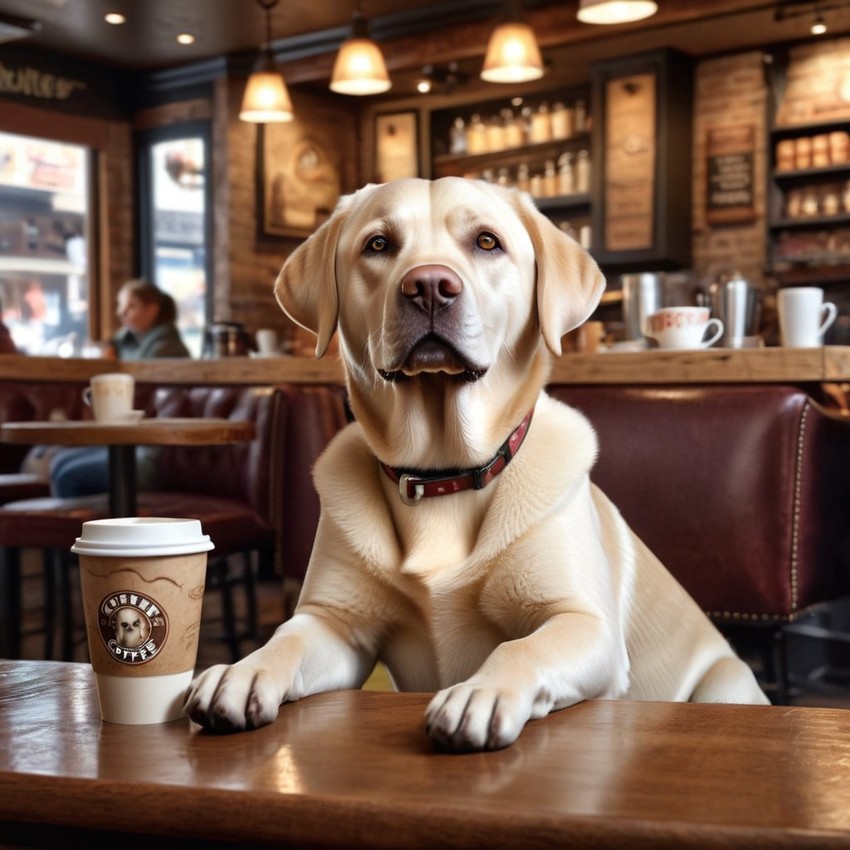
<point>396,146</point>
<point>299,178</point>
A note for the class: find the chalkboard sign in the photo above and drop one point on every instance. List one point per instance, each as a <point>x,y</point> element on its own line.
<point>730,168</point>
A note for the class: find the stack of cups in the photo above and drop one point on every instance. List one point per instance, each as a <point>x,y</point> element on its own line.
<point>142,585</point>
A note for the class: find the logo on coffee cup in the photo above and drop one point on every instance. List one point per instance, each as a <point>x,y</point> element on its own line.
<point>133,626</point>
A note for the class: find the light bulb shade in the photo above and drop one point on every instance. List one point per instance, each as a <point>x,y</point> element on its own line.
<point>359,68</point>
<point>615,11</point>
<point>266,98</point>
<point>512,55</point>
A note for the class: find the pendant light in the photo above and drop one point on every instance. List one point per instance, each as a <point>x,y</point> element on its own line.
<point>512,53</point>
<point>266,98</point>
<point>615,11</point>
<point>359,68</point>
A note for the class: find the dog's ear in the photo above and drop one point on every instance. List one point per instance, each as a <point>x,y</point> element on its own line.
<point>569,283</point>
<point>306,286</point>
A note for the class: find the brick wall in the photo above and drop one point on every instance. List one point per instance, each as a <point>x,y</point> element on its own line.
<point>729,91</point>
<point>247,262</point>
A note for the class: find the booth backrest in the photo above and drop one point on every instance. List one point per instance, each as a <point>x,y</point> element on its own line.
<point>311,416</point>
<point>240,471</point>
<point>742,491</point>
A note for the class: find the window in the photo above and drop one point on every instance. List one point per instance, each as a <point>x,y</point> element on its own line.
<point>44,222</point>
<point>176,222</point>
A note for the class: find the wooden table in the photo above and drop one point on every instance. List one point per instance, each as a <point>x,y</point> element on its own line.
<point>122,438</point>
<point>354,769</point>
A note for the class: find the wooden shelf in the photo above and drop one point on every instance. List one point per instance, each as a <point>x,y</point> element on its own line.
<point>810,222</point>
<point>812,175</point>
<point>792,131</point>
<point>563,202</point>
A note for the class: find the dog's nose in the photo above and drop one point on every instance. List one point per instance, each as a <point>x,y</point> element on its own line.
<point>431,287</point>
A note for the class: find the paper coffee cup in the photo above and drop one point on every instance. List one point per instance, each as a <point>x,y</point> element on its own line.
<point>142,581</point>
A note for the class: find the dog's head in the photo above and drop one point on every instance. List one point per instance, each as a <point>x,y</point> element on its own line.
<point>442,286</point>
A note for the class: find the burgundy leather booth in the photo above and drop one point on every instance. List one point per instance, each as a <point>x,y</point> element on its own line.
<point>742,491</point>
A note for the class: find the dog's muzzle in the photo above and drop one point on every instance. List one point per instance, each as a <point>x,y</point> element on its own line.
<point>431,313</point>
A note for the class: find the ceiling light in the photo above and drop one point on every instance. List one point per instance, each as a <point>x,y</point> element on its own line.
<point>185,38</point>
<point>512,55</point>
<point>359,68</point>
<point>818,27</point>
<point>615,11</point>
<point>423,86</point>
<point>114,18</point>
<point>266,98</point>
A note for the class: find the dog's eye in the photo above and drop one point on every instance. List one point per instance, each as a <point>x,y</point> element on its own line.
<point>377,245</point>
<point>487,242</point>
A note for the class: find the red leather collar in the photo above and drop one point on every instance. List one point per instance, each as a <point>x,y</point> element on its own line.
<point>414,485</point>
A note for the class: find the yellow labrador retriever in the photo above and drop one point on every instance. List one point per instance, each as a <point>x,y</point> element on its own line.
<point>461,541</point>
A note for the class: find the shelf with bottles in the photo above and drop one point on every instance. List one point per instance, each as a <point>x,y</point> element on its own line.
<point>825,248</point>
<point>560,182</point>
<point>808,205</point>
<point>497,127</point>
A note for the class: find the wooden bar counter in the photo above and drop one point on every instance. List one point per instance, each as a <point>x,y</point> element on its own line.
<point>713,365</point>
<point>355,770</point>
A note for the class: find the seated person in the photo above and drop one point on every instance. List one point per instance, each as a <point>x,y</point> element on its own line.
<point>148,318</point>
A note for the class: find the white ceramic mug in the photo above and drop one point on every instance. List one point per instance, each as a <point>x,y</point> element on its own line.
<point>683,327</point>
<point>804,317</point>
<point>110,396</point>
<point>267,341</point>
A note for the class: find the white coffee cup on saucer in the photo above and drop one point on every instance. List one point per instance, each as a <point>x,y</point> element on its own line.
<point>110,396</point>
<point>683,327</point>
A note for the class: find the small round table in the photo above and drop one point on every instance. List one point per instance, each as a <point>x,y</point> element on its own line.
<point>121,438</point>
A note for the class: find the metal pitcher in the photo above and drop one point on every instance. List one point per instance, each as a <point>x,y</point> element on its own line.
<point>737,303</point>
<point>643,295</point>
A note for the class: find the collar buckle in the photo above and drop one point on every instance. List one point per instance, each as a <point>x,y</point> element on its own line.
<point>403,490</point>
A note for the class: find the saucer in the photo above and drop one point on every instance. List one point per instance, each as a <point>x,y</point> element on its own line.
<point>131,417</point>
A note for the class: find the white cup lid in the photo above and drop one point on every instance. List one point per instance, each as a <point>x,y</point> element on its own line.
<point>140,537</point>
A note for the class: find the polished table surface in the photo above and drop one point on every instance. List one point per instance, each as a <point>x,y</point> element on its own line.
<point>355,769</point>
<point>121,438</point>
<point>829,363</point>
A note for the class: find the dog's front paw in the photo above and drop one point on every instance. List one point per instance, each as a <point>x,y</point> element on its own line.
<point>471,717</point>
<point>233,698</point>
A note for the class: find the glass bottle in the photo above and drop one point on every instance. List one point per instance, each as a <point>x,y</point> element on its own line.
<point>566,175</point>
<point>541,125</point>
<point>457,137</point>
<point>514,136</point>
<point>583,172</point>
<point>476,135</point>
<point>580,116</point>
<point>562,121</point>
<point>523,181</point>
<point>495,135</point>
<point>550,179</point>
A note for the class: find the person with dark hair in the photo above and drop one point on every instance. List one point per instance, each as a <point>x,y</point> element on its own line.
<point>7,344</point>
<point>148,317</point>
